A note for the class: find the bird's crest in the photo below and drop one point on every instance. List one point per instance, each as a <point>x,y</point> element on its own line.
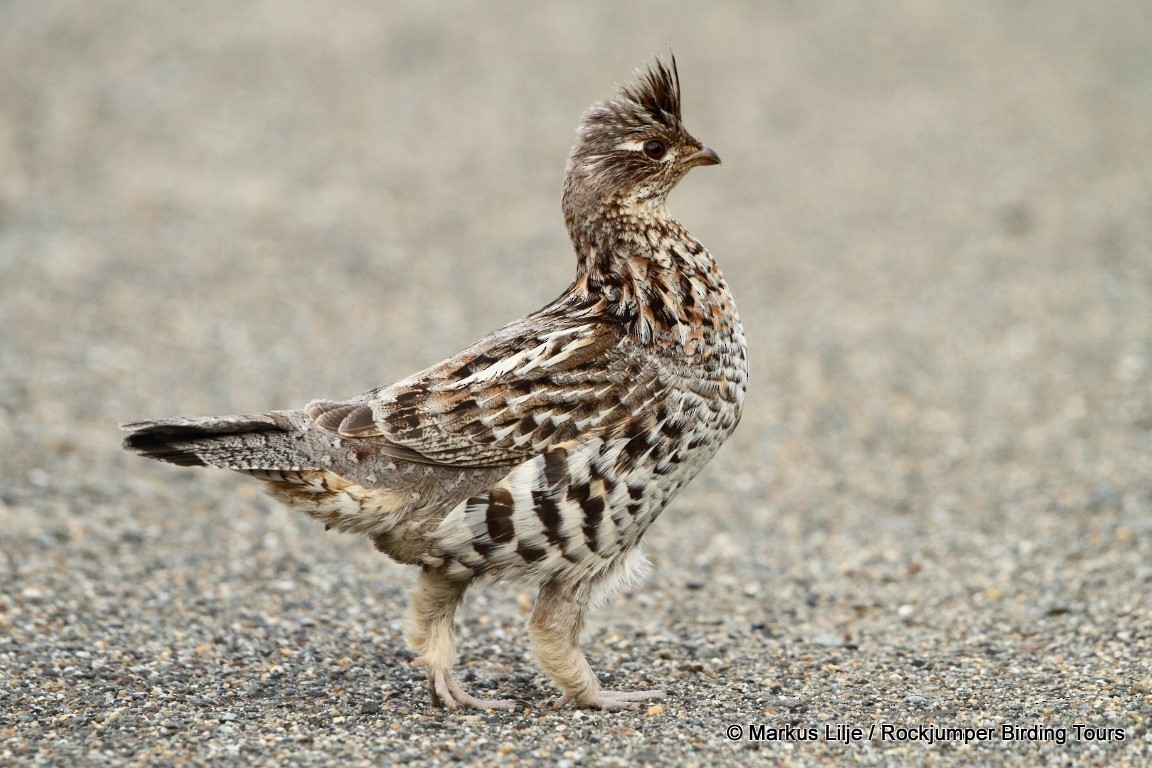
<point>652,101</point>
<point>656,92</point>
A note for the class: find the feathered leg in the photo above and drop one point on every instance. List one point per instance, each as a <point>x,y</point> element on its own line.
<point>430,631</point>
<point>557,620</point>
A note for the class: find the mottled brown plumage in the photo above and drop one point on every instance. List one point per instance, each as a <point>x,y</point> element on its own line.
<point>545,450</point>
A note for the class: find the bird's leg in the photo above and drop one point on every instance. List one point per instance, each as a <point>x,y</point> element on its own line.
<point>431,634</point>
<point>555,626</point>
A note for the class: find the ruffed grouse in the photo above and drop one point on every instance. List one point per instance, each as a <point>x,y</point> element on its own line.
<point>543,451</point>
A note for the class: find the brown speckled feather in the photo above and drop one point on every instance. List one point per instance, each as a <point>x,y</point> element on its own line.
<point>550,377</point>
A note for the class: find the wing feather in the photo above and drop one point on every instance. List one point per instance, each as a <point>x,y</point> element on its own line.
<point>535,383</point>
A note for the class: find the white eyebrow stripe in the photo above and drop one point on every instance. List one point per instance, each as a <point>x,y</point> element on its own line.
<point>632,146</point>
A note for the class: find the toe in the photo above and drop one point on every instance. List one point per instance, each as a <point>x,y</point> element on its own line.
<point>448,693</point>
<point>612,699</point>
<point>442,691</point>
<point>654,693</point>
<point>468,700</point>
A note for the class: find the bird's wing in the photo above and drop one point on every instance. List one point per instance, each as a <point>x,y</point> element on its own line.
<point>537,382</point>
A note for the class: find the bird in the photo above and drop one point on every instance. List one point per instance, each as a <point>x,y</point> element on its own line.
<point>543,452</point>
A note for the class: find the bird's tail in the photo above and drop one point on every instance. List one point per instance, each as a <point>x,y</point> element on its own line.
<point>261,442</point>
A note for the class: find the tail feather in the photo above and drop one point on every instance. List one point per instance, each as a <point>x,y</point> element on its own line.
<point>263,441</point>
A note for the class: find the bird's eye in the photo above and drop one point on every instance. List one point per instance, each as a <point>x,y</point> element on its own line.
<point>655,149</point>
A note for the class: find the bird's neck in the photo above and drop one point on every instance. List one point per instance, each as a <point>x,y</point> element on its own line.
<point>642,266</point>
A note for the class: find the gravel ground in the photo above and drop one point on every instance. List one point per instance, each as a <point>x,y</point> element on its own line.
<point>936,513</point>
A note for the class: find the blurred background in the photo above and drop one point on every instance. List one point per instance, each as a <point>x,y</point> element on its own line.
<point>936,218</point>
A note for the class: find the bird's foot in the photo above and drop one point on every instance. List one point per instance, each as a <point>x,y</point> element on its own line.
<point>602,699</point>
<point>446,691</point>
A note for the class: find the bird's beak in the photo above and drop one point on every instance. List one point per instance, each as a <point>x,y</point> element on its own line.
<point>706,156</point>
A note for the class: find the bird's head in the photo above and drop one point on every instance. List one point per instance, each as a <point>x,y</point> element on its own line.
<point>631,150</point>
